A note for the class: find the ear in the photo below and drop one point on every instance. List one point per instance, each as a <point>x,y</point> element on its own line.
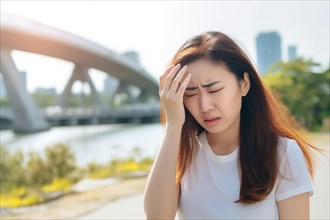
<point>245,84</point>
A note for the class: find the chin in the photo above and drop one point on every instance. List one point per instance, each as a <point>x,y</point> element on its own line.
<point>213,130</point>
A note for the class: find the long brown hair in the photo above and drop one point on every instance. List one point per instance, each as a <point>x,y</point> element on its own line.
<point>261,112</point>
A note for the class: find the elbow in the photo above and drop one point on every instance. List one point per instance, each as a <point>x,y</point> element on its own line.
<point>158,215</point>
<point>154,210</point>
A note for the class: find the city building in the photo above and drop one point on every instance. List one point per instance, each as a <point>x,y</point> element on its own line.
<point>268,50</point>
<point>292,53</point>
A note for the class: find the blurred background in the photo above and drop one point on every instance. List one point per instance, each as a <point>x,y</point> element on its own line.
<point>79,114</point>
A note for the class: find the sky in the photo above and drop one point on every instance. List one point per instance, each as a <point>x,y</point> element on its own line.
<point>156,29</point>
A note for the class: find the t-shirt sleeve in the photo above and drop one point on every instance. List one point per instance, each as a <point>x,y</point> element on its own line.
<point>294,177</point>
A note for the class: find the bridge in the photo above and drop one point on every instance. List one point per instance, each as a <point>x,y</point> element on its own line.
<point>29,36</point>
<point>133,113</point>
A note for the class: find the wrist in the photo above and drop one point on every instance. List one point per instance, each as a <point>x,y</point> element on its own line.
<point>173,127</point>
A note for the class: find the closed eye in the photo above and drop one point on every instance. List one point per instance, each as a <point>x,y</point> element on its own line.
<point>215,91</point>
<point>189,95</point>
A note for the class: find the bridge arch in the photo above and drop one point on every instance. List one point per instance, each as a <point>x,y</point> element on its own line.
<point>29,36</point>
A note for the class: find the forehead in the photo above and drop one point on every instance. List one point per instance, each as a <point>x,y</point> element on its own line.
<point>203,71</point>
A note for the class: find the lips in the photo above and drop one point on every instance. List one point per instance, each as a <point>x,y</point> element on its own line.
<point>212,121</point>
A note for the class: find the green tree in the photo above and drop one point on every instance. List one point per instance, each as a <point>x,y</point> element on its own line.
<point>44,100</point>
<point>304,91</point>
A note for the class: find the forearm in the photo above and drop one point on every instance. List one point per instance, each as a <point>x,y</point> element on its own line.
<point>161,195</point>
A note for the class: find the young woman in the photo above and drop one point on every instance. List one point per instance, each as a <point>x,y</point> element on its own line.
<point>230,149</point>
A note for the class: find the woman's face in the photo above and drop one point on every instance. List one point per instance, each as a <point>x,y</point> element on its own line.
<point>214,95</point>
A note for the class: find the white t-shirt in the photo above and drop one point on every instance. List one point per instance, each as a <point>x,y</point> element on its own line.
<point>211,185</point>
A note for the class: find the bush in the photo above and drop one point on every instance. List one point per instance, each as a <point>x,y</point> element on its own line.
<point>60,160</point>
<point>30,182</point>
<point>146,164</point>
<point>12,170</point>
<point>96,171</point>
<point>38,171</point>
<point>127,166</point>
<point>25,183</point>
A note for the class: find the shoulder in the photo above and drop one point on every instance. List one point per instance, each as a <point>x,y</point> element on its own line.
<point>289,149</point>
<point>290,155</point>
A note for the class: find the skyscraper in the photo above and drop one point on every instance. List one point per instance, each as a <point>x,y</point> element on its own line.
<point>292,53</point>
<point>268,50</point>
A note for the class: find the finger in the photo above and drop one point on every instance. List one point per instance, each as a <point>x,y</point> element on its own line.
<point>176,81</point>
<point>168,69</point>
<point>184,85</point>
<point>170,76</point>
<point>162,77</point>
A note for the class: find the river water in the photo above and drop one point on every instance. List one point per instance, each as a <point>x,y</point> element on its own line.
<point>95,143</point>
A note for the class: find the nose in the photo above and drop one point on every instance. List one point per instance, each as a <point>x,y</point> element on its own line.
<point>205,103</point>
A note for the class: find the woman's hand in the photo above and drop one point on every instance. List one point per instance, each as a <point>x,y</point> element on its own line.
<point>162,194</point>
<point>171,89</point>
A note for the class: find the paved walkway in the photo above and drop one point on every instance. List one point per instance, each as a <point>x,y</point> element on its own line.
<point>126,208</point>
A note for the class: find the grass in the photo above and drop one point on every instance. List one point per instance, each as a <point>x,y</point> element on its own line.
<point>58,184</point>
<point>100,173</point>
<point>118,168</point>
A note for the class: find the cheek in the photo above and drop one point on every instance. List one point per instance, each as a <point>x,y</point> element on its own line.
<point>229,101</point>
<point>234,102</point>
<point>191,106</point>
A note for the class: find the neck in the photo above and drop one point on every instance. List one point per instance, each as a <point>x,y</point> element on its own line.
<point>225,142</point>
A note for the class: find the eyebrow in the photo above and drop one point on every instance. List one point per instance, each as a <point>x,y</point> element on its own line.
<point>204,86</point>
